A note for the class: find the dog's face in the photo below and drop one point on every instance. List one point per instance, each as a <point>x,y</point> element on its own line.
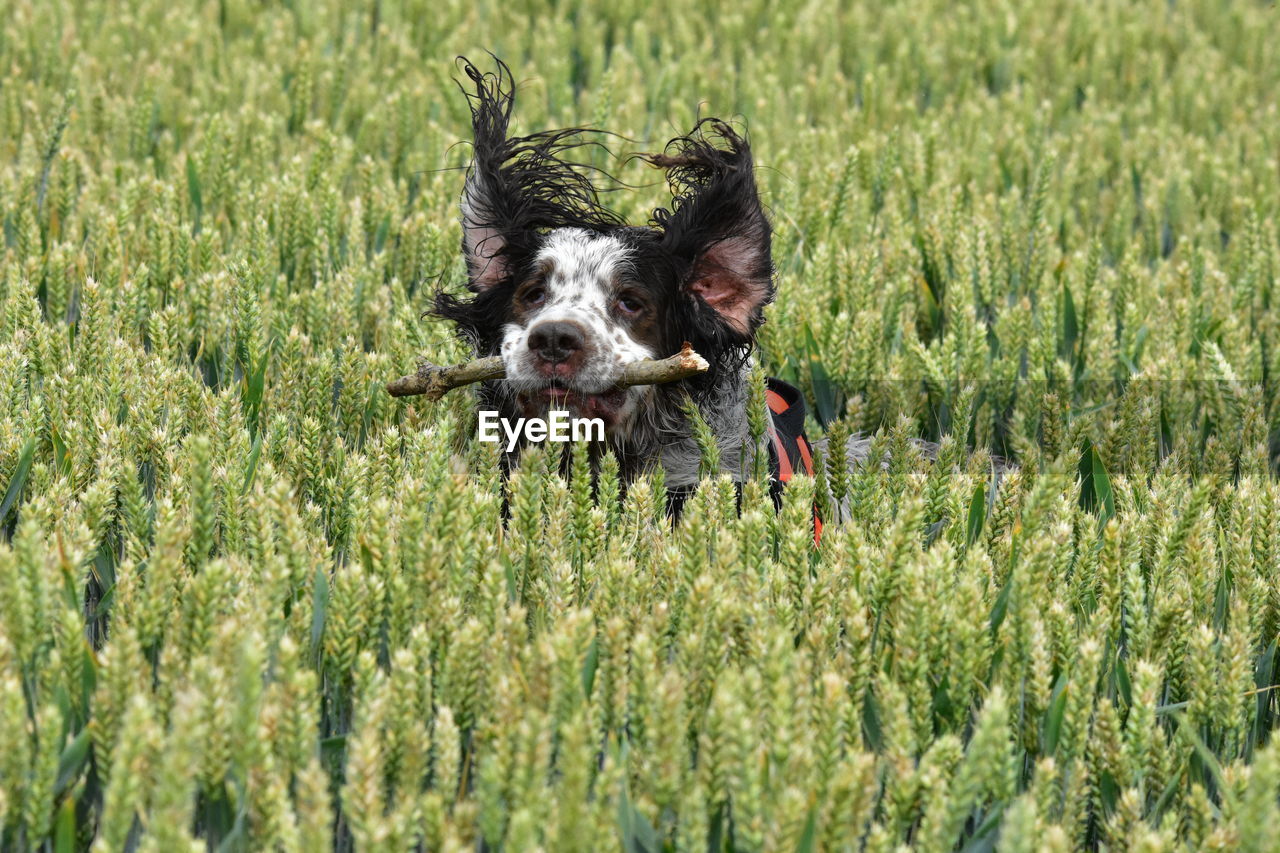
<point>568,295</point>
<point>587,306</point>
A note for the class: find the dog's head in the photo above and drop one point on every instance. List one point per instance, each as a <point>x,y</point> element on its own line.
<point>568,294</point>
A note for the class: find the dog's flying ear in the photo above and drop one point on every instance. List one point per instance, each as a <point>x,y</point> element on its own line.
<point>517,186</point>
<point>483,201</point>
<point>717,223</point>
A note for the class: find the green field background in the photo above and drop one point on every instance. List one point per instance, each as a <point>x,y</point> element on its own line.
<point>249,601</point>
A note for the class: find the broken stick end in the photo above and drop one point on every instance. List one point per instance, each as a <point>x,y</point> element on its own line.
<point>690,360</point>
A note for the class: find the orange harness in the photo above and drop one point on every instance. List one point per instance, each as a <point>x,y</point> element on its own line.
<point>789,448</point>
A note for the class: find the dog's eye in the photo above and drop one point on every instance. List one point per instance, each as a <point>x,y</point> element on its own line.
<point>628,304</point>
<point>535,296</point>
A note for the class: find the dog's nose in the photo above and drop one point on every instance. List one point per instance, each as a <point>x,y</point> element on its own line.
<point>556,342</point>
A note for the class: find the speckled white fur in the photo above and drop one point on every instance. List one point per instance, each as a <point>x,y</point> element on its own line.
<point>581,286</point>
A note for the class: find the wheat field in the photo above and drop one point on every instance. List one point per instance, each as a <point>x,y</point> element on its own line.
<point>248,601</point>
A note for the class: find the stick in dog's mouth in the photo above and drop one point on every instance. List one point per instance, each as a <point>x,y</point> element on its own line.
<point>434,382</point>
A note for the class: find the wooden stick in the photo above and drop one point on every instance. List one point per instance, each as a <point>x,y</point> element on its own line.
<point>432,381</point>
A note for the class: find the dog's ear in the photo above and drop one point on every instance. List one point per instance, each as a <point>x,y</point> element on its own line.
<point>486,201</point>
<point>482,243</point>
<point>517,187</point>
<point>717,223</point>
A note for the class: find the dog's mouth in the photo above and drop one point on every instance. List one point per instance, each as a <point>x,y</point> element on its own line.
<point>608,405</point>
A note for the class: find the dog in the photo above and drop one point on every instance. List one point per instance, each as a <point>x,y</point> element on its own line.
<point>567,293</point>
